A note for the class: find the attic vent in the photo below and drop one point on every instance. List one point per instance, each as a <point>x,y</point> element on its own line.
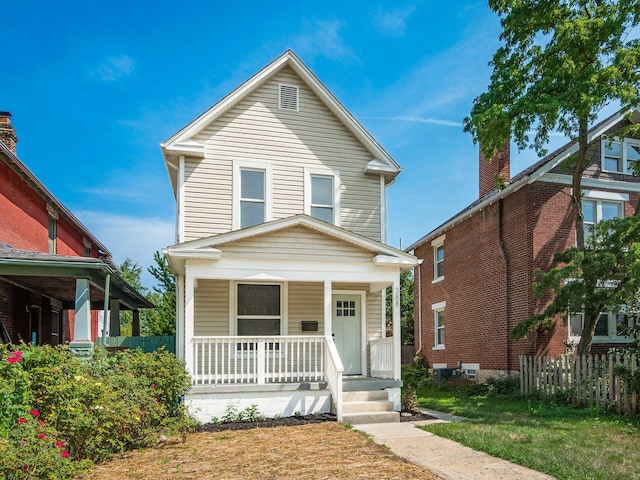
<point>288,97</point>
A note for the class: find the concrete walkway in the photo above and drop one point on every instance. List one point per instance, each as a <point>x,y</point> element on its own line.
<point>442,456</point>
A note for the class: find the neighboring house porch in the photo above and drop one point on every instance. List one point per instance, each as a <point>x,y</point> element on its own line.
<point>277,314</point>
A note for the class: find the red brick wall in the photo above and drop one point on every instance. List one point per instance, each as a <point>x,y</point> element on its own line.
<point>498,167</point>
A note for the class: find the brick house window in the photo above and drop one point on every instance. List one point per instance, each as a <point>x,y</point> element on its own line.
<point>619,155</point>
<point>438,325</point>
<point>609,327</point>
<point>438,258</point>
<point>596,211</point>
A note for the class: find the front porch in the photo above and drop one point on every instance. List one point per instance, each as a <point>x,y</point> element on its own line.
<point>285,375</point>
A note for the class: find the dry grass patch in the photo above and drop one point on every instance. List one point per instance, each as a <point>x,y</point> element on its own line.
<point>320,451</point>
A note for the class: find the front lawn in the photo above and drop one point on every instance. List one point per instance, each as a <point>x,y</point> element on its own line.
<point>564,442</point>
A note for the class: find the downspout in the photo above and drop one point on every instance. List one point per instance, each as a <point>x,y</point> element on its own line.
<point>505,256</point>
<point>419,270</point>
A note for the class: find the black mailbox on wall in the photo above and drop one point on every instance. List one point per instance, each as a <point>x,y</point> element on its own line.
<point>309,325</point>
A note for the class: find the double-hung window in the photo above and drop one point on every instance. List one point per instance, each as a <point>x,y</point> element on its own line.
<point>619,155</point>
<point>598,206</point>
<point>251,194</point>
<point>258,309</point>
<point>322,190</point>
<point>438,258</point>
<point>438,325</point>
<point>609,326</point>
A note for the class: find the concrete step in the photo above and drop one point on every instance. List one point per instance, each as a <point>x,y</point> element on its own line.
<point>367,407</point>
<point>364,396</point>
<point>355,384</point>
<point>374,417</point>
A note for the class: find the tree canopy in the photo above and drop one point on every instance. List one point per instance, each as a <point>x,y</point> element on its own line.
<point>560,63</point>
<point>612,254</point>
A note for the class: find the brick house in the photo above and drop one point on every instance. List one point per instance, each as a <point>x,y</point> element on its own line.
<point>53,271</point>
<point>475,282</point>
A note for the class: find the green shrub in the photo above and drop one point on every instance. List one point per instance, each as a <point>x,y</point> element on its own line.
<point>416,374</point>
<point>15,393</point>
<point>409,399</point>
<point>108,404</point>
<point>32,449</point>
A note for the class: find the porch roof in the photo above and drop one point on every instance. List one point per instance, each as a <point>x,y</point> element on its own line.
<point>55,276</point>
<point>211,248</point>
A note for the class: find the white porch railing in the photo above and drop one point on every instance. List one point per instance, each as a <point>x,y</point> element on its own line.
<point>258,360</point>
<point>382,357</point>
<point>334,370</point>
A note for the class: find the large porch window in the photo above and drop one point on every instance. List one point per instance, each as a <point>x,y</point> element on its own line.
<point>259,309</point>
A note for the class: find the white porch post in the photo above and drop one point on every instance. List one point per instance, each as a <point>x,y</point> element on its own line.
<point>180,317</point>
<point>81,344</point>
<point>328,324</point>
<point>396,328</point>
<point>189,312</point>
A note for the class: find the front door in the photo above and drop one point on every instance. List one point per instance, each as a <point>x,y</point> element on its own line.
<point>346,332</point>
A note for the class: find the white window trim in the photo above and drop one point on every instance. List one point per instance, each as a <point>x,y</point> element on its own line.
<point>612,331</point>
<point>598,197</point>
<point>239,165</point>
<point>322,172</point>
<point>624,142</point>
<point>435,244</point>
<point>437,307</point>
<point>233,304</point>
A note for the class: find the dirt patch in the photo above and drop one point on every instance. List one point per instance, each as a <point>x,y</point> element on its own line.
<point>323,450</point>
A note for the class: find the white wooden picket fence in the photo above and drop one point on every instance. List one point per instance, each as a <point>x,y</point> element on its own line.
<point>610,382</point>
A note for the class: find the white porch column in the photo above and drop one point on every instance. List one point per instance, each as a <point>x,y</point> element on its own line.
<point>328,310</point>
<point>180,317</point>
<point>114,319</point>
<point>189,312</point>
<point>396,328</point>
<point>81,344</point>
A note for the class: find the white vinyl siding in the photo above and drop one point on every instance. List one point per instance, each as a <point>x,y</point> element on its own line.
<point>256,130</point>
<point>211,308</point>
<point>296,244</point>
<point>306,303</point>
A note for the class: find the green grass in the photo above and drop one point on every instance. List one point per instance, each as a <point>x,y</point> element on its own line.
<point>580,444</point>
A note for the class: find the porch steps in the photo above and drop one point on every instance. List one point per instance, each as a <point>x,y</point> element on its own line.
<point>371,406</point>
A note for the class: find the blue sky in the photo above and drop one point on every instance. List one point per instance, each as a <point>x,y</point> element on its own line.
<point>95,86</point>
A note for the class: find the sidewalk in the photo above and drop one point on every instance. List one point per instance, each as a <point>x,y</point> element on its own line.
<point>444,457</point>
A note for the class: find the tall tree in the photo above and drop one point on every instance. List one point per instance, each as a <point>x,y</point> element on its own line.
<point>561,62</point>
<point>131,272</point>
<point>613,254</point>
<point>162,319</point>
<point>406,308</point>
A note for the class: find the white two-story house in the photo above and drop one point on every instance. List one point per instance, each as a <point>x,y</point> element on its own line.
<point>280,256</point>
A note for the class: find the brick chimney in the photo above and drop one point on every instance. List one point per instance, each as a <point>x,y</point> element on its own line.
<point>498,167</point>
<point>7,132</point>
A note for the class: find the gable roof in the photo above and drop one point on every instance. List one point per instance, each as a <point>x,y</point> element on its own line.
<point>182,143</point>
<point>207,248</point>
<point>14,163</point>
<point>529,175</point>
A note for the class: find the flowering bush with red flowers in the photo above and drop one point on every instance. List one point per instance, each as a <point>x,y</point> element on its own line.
<point>84,410</point>
<point>32,450</point>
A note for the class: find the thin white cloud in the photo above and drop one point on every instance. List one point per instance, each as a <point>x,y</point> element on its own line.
<point>393,23</point>
<point>433,121</point>
<point>114,69</point>
<point>137,238</point>
<point>112,192</point>
<point>322,38</point>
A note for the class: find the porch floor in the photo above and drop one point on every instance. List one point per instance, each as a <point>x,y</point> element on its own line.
<point>357,383</point>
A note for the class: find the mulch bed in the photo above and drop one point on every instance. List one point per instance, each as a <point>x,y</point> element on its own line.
<point>294,421</point>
